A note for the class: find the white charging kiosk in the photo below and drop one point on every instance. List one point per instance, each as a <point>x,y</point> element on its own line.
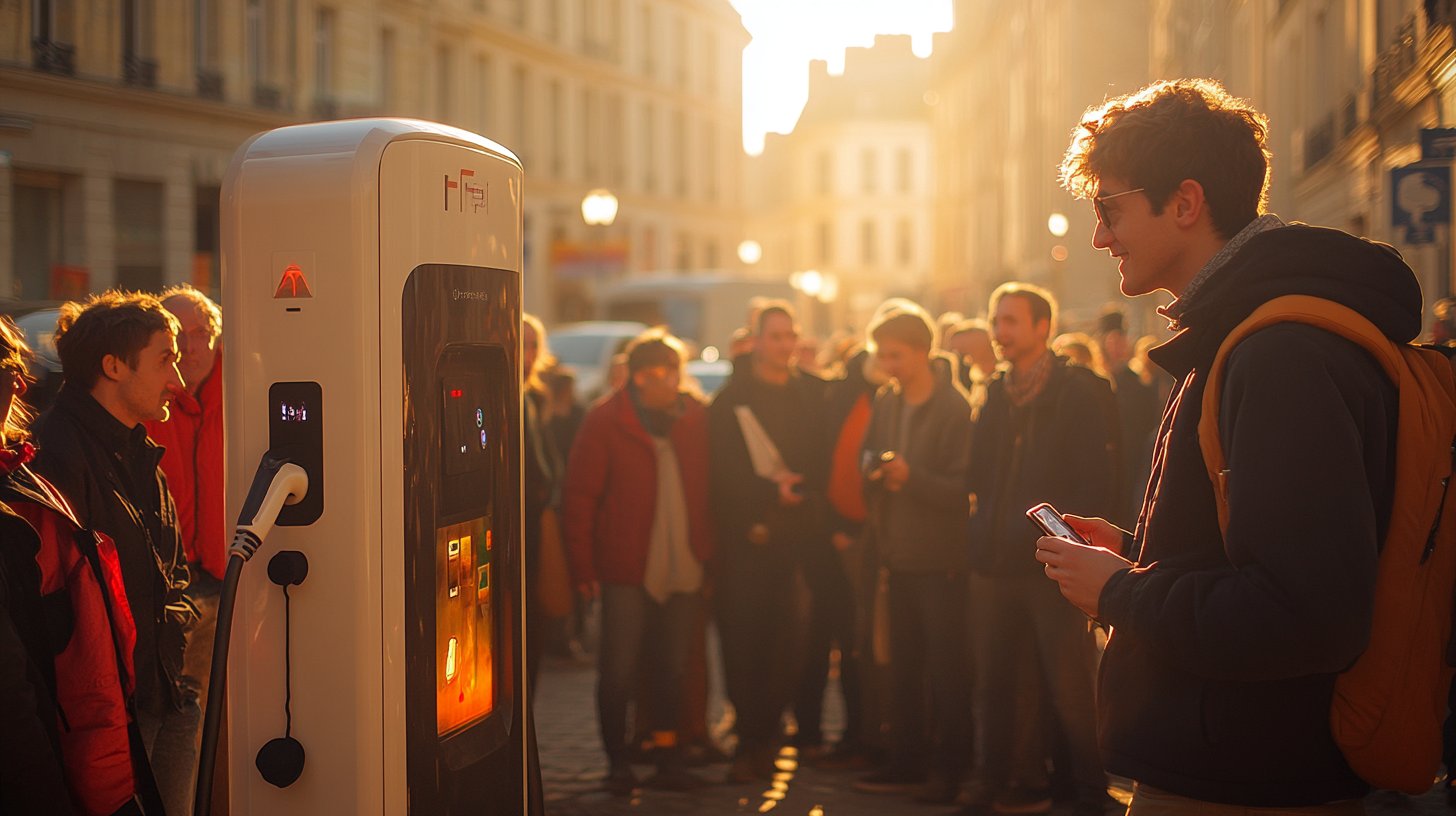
<point>372,282</point>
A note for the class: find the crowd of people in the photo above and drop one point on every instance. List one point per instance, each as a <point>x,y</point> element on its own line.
<point>871,516</point>
<point>862,516</point>
<point>111,555</point>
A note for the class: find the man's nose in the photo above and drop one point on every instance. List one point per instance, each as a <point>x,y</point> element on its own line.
<point>1102,237</point>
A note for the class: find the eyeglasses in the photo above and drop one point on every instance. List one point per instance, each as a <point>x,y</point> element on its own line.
<point>1099,204</point>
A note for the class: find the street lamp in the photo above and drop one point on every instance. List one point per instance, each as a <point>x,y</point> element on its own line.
<point>750,252</point>
<point>599,208</point>
<point>1057,225</point>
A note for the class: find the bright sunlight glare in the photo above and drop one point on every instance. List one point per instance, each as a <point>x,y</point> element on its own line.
<point>787,34</point>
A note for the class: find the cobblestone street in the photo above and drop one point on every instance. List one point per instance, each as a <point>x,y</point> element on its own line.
<point>573,767</point>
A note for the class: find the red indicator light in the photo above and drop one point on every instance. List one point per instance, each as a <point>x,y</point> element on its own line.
<point>293,284</point>
<point>456,393</point>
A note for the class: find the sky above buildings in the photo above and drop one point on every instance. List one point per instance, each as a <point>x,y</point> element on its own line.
<point>787,34</point>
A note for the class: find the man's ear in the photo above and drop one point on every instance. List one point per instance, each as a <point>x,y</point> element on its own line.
<point>1188,203</point>
<point>111,367</point>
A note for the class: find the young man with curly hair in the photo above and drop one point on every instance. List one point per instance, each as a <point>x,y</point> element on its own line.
<point>1216,685</point>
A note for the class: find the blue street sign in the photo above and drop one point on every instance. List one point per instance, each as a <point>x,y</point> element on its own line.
<point>1420,200</point>
<point>1438,144</point>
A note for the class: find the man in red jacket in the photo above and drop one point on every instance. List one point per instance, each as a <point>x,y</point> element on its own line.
<point>636,520</point>
<point>193,463</point>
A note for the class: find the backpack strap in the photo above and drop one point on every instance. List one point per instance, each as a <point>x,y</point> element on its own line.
<point>1401,363</point>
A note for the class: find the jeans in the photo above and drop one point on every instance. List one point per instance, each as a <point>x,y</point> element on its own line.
<point>927,664</point>
<point>630,620</point>
<point>1028,642</point>
<point>831,623</point>
<point>171,739</point>
<point>758,625</point>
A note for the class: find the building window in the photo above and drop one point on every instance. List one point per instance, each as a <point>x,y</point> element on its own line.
<point>616,140</point>
<point>826,173</point>
<point>905,242</point>
<point>680,50</point>
<point>826,243</point>
<point>256,21</point>
<point>556,127</point>
<point>679,151</point>
<point>591,133</point>
<point>137,24</point>
<point>386,69</point>
<point>649,148</point>
<point>867,249</point>
<point>46,232</point>
<point>482,93</point>
<point>205,43</point>
<point>323,57</point>
<point>711,160</point>
<point>553,21</point>
<point>904,170</point>
<point>444,86</point>
<point>137,208</point>
<point>867,170</point>
<point>521,109</point>
<point>649,40</point>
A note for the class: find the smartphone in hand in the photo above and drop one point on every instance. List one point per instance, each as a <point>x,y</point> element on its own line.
<point>1051,522</point>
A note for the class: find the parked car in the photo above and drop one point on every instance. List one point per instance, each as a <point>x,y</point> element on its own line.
<point>37,321</point>
<point>709,376</point>
<point>588,349</point>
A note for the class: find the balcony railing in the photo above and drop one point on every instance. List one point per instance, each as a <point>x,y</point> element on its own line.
<point>325,107</point>
<point>210,84</point>
<point>1395,64</point>
<point>53,57</point>
<point>1319,142</point>
<point>268,96</point>
<point>138,71</point>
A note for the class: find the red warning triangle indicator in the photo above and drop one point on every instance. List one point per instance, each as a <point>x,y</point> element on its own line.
<point>293,284</point>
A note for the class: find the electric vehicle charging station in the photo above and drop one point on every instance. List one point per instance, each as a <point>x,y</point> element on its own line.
<point>372,279</point>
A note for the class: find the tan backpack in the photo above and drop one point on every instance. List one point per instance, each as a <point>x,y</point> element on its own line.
<point>1389,706</point>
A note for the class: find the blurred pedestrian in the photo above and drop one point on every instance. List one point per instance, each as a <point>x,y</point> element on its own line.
<point>542,482</point>
<point>768,463</point>
<point>970,342</point>
<point>916,452</point>
<point>835,582</point>
<point>639,532</point>
<point>64,692</point>
<point>1045,435</point>
<point>191,438</point>
<point>119,354</point>
<point>1138,411</point>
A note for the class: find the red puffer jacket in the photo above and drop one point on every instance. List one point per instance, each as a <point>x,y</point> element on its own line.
<point>193,463</point>
<point>610,495</point>
<point>94,676</point>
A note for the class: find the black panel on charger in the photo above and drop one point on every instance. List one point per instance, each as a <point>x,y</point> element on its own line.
<point>296,433</point>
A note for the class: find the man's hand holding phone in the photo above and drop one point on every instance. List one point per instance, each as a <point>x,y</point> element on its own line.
<point>1080,568</point>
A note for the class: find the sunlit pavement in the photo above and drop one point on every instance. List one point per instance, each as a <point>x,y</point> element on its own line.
<point>573,767</point>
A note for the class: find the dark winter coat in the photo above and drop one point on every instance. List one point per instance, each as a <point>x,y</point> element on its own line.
<point>110,475</point>
<point>793,416</point>
<point>1217,681</point>
<point>931,509</point>
<point>1058,448</point>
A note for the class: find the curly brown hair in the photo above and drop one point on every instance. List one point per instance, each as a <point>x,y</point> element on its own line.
<point>114,322</point>
<point>1173,130</point>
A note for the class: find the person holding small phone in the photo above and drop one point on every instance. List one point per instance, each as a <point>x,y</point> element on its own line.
<point>917,448</point>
